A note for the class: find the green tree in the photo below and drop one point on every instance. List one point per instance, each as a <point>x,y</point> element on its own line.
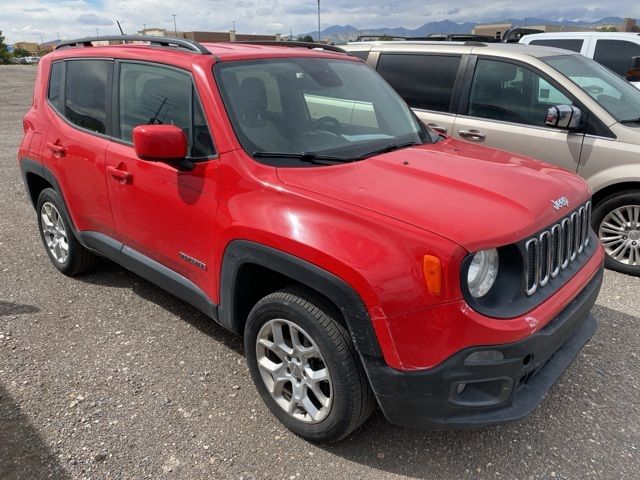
<point>4,51</point>
<point>609,29</point>
<point>21,52</point>
<point>306,38</point>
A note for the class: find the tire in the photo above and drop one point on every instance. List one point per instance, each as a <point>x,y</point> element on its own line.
<point>615,233</point>
<point>60,243</point>
<point>348,399</point>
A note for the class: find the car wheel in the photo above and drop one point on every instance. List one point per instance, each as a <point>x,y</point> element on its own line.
<point>616,220</point>
<point>305,367</point>
<point>64,250</point>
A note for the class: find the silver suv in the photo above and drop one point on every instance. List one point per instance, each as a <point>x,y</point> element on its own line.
<point>551,104</point>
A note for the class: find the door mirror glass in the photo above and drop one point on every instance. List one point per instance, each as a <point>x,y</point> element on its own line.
<point>564,116</point>
<point>160,142</point>
<point>633,73</point>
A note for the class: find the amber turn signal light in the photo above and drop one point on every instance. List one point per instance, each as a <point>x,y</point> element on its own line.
<point>432,270</point>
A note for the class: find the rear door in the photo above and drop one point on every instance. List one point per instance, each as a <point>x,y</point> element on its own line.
<point>428,82</point>
<point>615,53</point>
<point>77,139</point>
<point>504,105</point>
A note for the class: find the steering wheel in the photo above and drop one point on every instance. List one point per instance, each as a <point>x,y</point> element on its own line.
<point>330,124</point>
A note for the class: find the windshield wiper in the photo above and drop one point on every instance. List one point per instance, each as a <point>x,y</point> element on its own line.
<point>387,148</point>
<point>631,120</point>
<point>310,157</point>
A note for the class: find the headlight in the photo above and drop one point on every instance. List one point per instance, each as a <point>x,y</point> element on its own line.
<point>482,272</point>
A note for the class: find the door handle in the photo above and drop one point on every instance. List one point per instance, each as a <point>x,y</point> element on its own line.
<point>119,175</point>
<point>437,128</point>
<point>473,135</point>
<point>58,150</point>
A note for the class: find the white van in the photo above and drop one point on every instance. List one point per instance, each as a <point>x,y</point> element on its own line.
<point>612,49</point>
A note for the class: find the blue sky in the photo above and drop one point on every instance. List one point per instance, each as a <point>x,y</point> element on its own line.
<point>28,20</point>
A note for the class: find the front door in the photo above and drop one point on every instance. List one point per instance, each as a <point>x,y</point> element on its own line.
<point>506,108</point>
<point>161,210</point>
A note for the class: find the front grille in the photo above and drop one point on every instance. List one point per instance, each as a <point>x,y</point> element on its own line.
<point>553,250</point>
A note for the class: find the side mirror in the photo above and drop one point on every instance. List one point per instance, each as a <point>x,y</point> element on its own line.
<point>159,142</point>
<point>564,116</point>
<point>633,73</point>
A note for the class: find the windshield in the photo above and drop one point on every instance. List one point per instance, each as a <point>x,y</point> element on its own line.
<point>615,95</point>
<point>314,108</point>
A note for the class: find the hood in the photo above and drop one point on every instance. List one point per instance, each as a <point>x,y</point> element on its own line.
<point>476,196</point>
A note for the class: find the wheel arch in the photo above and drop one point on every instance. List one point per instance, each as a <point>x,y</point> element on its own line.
<point>615,188</point>
<point>248,266</point>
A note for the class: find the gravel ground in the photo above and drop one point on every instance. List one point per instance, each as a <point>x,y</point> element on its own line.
<point>106,376</point>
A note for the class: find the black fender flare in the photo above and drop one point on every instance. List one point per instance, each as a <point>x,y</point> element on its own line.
<point>241,252</point>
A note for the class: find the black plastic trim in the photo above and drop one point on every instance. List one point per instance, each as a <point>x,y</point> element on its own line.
<point>423,399</point>
<point>149,269</point>
<point>241,252</point>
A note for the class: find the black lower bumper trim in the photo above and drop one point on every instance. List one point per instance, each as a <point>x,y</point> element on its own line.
<point>519,381</point>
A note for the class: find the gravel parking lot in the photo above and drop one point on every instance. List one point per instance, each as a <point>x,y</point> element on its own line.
<point>105,376</point>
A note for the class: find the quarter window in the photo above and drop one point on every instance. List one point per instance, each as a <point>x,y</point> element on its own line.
<point>423,81</point>
<point>55,84</point>
<point>573,44</point>
<point>153,95</point>
<point>616,54</point>
<point>511,93</point>
<point>86,94</point>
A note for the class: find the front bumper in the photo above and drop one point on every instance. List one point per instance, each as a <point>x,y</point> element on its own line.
<point>459,395</point>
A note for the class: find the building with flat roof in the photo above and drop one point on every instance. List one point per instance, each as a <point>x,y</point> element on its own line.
<point>210,37</point>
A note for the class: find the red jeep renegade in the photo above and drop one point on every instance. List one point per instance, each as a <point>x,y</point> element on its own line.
<point>292,196</point>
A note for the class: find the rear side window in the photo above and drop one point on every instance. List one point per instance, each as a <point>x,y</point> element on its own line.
<point>86,94</point>
<point>55,84</point>
<point>616,54</point>
<point>155,95</point>
<point>363,54</point>
<point>573,44</point>
<point>423,81</point>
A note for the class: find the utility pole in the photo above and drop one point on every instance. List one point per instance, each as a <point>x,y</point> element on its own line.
<point>175,29</point>
<point>318,20</point>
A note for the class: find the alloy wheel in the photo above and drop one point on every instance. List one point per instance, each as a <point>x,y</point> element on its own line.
<point>55,232</point>
<point>294,371</point>
<point>619,233</point>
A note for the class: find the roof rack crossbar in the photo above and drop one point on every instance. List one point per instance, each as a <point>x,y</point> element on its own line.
<point>286,43</point>
<point>169,42</point>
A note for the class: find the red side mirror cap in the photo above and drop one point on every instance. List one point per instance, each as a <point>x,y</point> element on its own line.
<point>159,142</point>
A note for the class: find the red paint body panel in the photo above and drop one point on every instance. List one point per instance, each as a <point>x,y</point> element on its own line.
<point>370,223</point>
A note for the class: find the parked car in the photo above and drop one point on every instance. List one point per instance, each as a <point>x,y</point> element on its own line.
<point>614,50</point>
<point>29,60</point>
<point>512,96</point>
<point>291,195</point>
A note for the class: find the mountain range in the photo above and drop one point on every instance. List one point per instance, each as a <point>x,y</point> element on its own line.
<point>343,33</point>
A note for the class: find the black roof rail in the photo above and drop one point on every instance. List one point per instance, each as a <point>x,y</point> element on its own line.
<point>287,43</point>
<point>168,42</point>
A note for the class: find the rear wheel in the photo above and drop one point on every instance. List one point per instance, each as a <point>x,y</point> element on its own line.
<point>305,367</point>
<point>62,247</point>
<point>616,219</point>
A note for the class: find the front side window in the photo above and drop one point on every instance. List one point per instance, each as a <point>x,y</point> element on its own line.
<point>615,95</point>
<point>86,94</point>
<point>616,54</point>
<point>573,44</point>
<point>512,93</point>
<point>423,81</point>
<point>154,95</point>
<point>311,106</point>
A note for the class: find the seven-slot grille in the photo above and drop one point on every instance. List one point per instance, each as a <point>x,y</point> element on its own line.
<point>547,254</point>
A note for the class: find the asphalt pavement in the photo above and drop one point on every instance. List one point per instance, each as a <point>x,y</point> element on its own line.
<point>105,376</point>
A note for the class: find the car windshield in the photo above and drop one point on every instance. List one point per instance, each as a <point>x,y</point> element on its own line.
<point>614,94</point>
<point>317,110</point>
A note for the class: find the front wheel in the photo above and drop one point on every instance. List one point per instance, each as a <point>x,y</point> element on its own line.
<point>305,367</point>
<point>616,220</point>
